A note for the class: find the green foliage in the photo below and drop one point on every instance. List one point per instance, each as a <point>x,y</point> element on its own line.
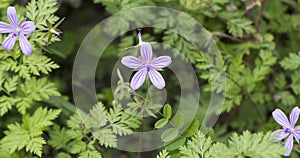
<point>28,134</point>
<point>119,123</point>
<point>248,144</point>
<point>258,56</point>
<point>23,84</point>
<point>255,145</point>
<point>88,132</point>
<point>5,3</point>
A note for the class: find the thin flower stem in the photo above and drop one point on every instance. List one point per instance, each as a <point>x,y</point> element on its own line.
<point>297,146</point>
<point>259,16</point>
<point>139,154</point>
<point>221,34</point>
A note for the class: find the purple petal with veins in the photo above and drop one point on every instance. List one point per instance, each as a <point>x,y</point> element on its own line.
<point>278,135</point>
<point>288,145</point>
<point>6,28</point>
<point>146,51</point>
<point>156,78</point>
<point>138,79</point>
<point>297,133</point>
<point>27,27</point>
<point>294,115</point>
<point>281,118</point>
<point>161,62</point>
<point>9,42</point>
<point>132,62</point>
<point>12,16</point>
<point>25,45</point>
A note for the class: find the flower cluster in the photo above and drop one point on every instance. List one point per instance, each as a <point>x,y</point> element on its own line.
<point>288,128</point>
<point>146,66</point>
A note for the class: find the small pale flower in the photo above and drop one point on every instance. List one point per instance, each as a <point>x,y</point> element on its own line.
<point>146,66</point>
<point>16,30</point>
<point>288,128</point>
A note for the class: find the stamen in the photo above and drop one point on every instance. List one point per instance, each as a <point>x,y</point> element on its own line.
<point>287,130</point>
<point>148,67</point>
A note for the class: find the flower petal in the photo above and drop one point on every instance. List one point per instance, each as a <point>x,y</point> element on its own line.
<point>294,115</point>
<point>138,79</point>
<point>278,135</point>
<point>146,51</point>
<point>156,79</point>
<point>132,62</point>
<point>297,133</point>
<point>12,16</point>
<point>27,27</point>
<point>288,145</point>
<point>281,118</point>
<point>161,62</point>
<point>25,45</point>
<point>9,42</point>
<point>5,28</point>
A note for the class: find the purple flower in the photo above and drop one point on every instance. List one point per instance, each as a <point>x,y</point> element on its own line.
<point>146,66</point>
<point>16,30</point>
<point>288,128</point>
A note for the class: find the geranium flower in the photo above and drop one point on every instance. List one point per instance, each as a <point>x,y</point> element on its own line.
<point>288,128</point>
<point>16,30</point>
<point>146,66</point>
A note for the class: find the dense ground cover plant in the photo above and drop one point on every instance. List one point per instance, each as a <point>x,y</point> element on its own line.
<point>258,41</point>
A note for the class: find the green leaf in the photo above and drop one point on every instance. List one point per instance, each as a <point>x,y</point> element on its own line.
<point>63,155</point>
<point>59,137</point>
<point>291,62</point>
<point>178,121</point>
<point>192,128</point>
<point>163,154</point>
<point>77,146</point>
<point>197,147</point>
<point>167,111</point>
<point>237,27</point>
<point>36,64</point>
<point>6,104</point>
<point>106,137</point>
<point>35,90</point>
<point>11,84</point>
<point>161,123</point>
<point>280,81</point>
<point>174,145</point>
<point>35,145</point>
<point>90,154</point>
<point>169,134</point>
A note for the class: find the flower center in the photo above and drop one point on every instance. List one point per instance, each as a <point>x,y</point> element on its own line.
<point>148,67</point>
<point>288,130</point>
<point>16,32</point>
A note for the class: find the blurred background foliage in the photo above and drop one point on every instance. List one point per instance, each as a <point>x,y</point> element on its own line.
<point>258,40</point>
